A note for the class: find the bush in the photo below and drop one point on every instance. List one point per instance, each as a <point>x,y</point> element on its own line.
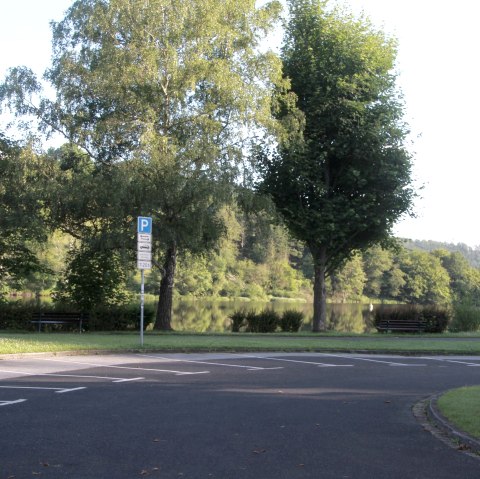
<point>466,318</point>
<point>403,313</point>
<point>17,316</point>
<point>239,320</point>
<point>120,318</point>
<point>291,320</point>
<point>266,321</point>
<point>436,319</point>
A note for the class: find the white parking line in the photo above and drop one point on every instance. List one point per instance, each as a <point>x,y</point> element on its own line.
<point>8,403</point>
<point>249,368</point>
<point>55,375</point>
<point>323,365</point>
<point>356,358</point>
<point>453,361</point>
<point>57,390</point>
<point>177,373</point>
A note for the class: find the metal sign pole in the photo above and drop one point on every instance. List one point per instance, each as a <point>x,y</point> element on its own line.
<point>144,259</point>
<point>142,303</point>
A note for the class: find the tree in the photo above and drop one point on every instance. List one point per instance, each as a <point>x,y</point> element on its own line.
<point>426,280</point>
<point>176,89</point>
<point>377,263</point>
<point>21,216</point>
<point>464,279</point>
<point>341,175</point>
<point>349,281</point>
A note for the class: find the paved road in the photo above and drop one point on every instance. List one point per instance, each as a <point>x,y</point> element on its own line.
<point>226,416</point>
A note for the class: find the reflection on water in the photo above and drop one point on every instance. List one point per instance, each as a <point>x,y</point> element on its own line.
<point>213,316</point>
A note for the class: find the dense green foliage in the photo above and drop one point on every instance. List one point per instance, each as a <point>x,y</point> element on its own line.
<point>22,228</point>
<point>257,260</point>
<point>342,175</point>
<point>163,98</point>
<point>434,319</point>
<point>266,321</point>
<point>18,316</point>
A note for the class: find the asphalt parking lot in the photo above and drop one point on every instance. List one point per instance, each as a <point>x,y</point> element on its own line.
<point>226,416</point>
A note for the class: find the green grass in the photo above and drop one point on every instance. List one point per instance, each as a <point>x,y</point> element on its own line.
<point>462,407</point>
<point>17,343</point>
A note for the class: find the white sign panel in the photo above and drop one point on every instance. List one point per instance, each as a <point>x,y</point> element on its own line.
<point>144,238</point>
<point>144,264</point>
<point>144,256</point>
<point>144,247</point>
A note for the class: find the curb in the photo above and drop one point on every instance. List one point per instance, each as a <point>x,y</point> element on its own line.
<point>428,414</point>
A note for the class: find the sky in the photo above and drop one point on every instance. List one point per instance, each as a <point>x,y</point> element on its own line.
<point>438,64</point>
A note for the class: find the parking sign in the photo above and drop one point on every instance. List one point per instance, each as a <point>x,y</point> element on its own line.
<point>144,225</point>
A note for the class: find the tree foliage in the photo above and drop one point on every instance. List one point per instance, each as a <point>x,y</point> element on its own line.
<point>341,177</point>
<point>170,92</point>
<point>21,210</point>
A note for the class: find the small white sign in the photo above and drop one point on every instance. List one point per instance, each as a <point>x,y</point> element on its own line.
<point>144,264</point>
<point>144,247</point>
<point>144,256</point>
<point>144,238</point>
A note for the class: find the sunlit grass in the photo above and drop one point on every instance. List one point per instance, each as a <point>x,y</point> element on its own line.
<point>462,407</point>
<point>17,343</point>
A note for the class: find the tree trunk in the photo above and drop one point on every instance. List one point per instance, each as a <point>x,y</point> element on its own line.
<point>163,320</point>
<point>319,291</point>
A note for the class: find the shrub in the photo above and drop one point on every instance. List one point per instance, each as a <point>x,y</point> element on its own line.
<point>403,313</point>
<point>17,316</point>
<point>435,318</point>
<point>120,318</point>
<point>266,321</point>
<point>239,320</point>
<point>466,318</point>
<point>291,320</point>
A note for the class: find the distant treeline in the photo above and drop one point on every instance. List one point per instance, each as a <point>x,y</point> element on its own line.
<point>471,254</point>
<point>257,259</point>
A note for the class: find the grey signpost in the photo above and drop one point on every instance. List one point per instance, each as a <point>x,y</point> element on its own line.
<point>144,259</point>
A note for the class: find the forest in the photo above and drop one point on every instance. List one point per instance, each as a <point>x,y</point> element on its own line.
<point>257,259</point>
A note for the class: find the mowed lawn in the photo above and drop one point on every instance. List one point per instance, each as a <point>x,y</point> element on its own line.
<point>18,343</point>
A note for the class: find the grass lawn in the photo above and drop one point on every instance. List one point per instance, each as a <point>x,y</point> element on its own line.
<point>17,343</point>
<point>462,407</point>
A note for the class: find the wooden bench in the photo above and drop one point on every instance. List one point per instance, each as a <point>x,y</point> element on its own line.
<point>54,317</point>
<point>401,326</point>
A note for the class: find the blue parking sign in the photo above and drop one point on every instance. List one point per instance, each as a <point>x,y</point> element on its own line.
<point>144,224</point>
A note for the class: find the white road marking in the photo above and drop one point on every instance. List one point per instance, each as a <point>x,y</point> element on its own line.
<point>356,358</point>
<point>8,403</point>
<point>69,390</point>
<point>327,365</point>
<point>57,390</point>
<point>55,375</point>
<point>249,368</point>
<point>453,361</point>
<point>127,380</point>
<point>177,373</point>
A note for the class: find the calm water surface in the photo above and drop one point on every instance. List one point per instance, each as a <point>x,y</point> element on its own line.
<point>213,316</point>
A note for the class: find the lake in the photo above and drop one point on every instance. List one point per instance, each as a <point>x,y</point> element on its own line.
<point>213,316</point>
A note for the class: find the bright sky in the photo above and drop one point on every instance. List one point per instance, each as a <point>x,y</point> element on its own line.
<point>439,76</point>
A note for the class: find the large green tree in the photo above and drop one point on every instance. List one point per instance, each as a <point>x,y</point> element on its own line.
<point>342,175</point>
<point>21,211</point>
<point>175,88</point>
